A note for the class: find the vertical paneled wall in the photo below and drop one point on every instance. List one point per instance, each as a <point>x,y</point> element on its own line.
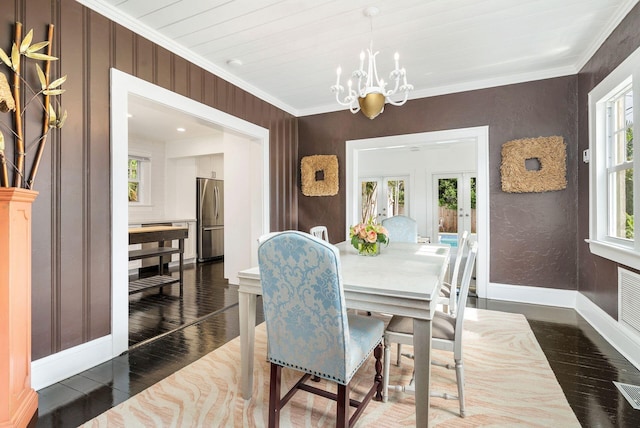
<point>71,228</point>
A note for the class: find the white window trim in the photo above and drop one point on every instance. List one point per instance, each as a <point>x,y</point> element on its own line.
<point>600,243</point>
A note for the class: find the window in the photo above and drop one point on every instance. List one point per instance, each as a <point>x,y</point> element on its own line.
<point>613,199</point>
<point>620,164</point>
<point>137,179</point>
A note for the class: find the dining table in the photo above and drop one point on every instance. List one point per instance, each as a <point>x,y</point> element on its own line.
<point>404,279</point>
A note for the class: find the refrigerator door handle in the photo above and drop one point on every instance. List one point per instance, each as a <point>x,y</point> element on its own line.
<point>217,193</point>
<point>202,189</point>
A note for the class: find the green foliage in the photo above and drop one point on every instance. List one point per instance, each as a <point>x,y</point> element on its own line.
<point>448,193</point>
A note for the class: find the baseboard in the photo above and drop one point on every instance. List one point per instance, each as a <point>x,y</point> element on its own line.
<point>616,334</point>
<point>59,366</point>
<point>54,368</point>
<point>533,295</point>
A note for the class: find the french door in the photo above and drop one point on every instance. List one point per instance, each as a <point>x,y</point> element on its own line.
<point>455,205</point>
<point>382,197</point>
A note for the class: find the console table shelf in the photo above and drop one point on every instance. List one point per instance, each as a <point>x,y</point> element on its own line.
<point>159,234</point>
<point>153,281</point>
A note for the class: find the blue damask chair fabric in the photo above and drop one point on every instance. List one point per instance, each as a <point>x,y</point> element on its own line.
<point>308,327</point>
<point>401,228</point>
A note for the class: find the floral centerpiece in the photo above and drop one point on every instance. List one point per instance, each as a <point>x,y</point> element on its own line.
<point>367,237</point>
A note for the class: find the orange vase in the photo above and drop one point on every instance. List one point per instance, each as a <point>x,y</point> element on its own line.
<point>18,400</point>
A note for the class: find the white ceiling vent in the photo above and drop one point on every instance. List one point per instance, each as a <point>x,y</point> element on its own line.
<point>630,392</point>
<point>629,299</point>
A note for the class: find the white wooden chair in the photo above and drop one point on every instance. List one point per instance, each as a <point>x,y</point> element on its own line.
<point>446,336</point>
<point>448,298</point>
<point>320,232</point>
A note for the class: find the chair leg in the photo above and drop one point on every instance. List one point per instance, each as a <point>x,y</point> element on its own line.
<point>342,417</point>
<point>460,381</point>
<point>377,353</point>
<point>385,372</point>
<point>274,396</point>
<point>399,358</point>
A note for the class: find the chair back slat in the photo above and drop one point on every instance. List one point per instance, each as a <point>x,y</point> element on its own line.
<point>453,296</point>
<point>464,292</point>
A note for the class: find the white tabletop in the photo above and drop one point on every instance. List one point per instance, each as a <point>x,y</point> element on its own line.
<point>401,270</point>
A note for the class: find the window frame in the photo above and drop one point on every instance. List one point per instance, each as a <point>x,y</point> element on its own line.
<point>623,251</point>
<point>144,173</point>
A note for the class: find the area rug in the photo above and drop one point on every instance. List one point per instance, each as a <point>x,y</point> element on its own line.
<point>508,384</point>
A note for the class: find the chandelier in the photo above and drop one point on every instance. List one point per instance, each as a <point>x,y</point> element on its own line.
<point>371,93</point>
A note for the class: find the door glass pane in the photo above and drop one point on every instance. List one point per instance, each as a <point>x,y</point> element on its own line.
<point>369,197</point>
<point>448,210</point>
<point>473,204</point>
<point>395,198</point>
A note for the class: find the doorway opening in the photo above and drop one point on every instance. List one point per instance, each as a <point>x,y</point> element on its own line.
<point>255,153</point>
<point>398,152</point>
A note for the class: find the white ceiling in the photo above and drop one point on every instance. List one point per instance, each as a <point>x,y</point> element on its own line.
<point>290,49</point>
<point>153,121</point>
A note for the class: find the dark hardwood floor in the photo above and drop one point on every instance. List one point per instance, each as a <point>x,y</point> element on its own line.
<point>207,317</point>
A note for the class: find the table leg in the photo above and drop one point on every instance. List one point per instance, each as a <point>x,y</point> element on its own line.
<point>247,309</point>
<point>422,364</point>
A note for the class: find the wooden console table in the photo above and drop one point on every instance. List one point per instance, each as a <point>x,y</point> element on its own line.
<point>159,234</point>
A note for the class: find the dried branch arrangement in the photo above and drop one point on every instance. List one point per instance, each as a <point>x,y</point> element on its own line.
<point>11,98</point>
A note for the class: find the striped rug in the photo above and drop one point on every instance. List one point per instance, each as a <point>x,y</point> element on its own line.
<point>508,384</point>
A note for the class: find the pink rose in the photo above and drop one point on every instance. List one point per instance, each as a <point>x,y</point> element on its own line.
<point>372,236</point>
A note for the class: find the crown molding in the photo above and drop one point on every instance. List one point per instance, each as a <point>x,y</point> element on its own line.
<point>145,31</point>
<point>621,13</point>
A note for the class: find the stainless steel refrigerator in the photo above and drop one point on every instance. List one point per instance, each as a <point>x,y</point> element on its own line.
<point>210,219</point>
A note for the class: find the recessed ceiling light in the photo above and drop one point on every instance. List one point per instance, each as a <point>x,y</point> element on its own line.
<point>180,129</point>
<point>234,62</point>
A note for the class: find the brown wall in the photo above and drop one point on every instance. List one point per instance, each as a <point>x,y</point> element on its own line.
<point>532,234</point>
<point>598,277</point>
<point>72,220</point>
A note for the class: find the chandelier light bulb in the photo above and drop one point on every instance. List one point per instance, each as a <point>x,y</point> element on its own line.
<point>369,91</point>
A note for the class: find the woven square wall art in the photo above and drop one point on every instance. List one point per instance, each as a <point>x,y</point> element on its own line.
<point>551,156</point>
<point>319,175</point>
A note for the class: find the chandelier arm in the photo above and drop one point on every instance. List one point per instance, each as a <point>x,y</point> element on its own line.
<point>348,98</point>
<point>399,103</point>
<point>395,89</point>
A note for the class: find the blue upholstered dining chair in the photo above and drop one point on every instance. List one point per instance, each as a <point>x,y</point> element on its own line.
<point>401,228</point>
<point>308,328</point>
<point>446,336</point>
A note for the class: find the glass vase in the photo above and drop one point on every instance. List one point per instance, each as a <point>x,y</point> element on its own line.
<point>368,249</point>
